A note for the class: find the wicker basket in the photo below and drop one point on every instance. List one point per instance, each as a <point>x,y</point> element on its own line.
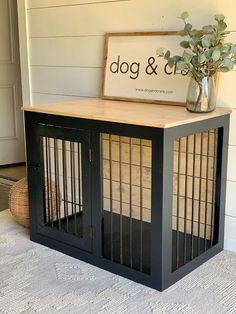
<point>19,204</point>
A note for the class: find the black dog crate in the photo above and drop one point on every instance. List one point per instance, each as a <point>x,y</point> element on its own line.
<point>146,203</point>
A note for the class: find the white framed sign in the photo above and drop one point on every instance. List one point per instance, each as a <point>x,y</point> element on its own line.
<point>133,72</point>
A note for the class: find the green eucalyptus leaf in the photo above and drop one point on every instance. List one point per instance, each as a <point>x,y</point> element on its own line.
<point>194,60</point>
<point>208,53</point>
<point>176,58</point>
<point>167,55</point>
<point>216,55</point>
<point>195,40</point>
<point>208,29</point>
<point>160,52</point>
<point>205,42</point>
<point>221,26</point>
<point>233,49</point>
<point>228,63</point>
<point>181,65</point>
<point>219,17</point>
<point>184,15</point>
<point>185,44</point>
<point>182,33</point>
<point>196,32</point>
<point>226,49</point>
<point>171,62</point>
<point>187,57</point>
<point>201,58</point>
<point>188,27</point>
<point>223,69</point>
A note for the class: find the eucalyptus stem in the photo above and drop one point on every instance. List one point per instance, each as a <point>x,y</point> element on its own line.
<point>199,95</point>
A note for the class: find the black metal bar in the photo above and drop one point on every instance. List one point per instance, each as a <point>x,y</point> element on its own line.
<point>64,162</point>
<point>130,210</point>
<point>185,201</point>
<point>50,182</point>
<point>121,201</point>
<point>178,205</point>
<point>79,178</point>
<point>57,182</point>
<point>47,207</point>
<point>73,188</point>
<point>200,192</point>
<point>193,197</point>
<point>207,185</point>
<point>111,199</point>
<point>141,205</point>
<point>213,187</point>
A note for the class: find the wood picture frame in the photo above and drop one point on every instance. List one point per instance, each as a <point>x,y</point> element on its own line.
<point>133,72</point>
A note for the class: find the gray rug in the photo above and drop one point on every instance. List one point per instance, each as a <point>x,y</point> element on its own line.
<point>35,279</point>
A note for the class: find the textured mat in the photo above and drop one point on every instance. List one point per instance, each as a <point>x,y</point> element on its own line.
<point>35,279</point>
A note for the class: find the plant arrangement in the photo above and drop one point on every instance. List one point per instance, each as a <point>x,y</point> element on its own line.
<point>205,52</point>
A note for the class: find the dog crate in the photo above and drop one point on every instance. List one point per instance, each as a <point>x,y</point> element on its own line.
<point>146,203</point>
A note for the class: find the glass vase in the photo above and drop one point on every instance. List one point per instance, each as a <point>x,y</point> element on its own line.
<point>201,96</point>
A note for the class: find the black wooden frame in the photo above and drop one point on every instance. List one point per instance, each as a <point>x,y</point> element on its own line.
<point>161,275</point>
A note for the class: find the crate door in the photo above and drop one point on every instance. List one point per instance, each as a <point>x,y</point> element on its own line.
<point>65,185</point>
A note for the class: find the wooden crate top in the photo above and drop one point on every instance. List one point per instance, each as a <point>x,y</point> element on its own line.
<point>142,114</point>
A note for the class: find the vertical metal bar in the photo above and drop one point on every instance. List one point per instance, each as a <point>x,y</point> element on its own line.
<point>185,201</point>
<point>111,196</point>
<point>50,212</point>
<point>64,162</point>
<point>121,200</point>
<point>213,185</point>
<point>199,196</point>
<point>57,181</point>
<point>178,204</point>
<point>46,184</point>
<point>72,165</point>
<point>79,177</point>
<point>130,210</point>
<point>141,205</point>
<point>193,197</point>
<point>207,185</point>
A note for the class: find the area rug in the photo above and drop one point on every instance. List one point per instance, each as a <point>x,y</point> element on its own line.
<point>36,279</point>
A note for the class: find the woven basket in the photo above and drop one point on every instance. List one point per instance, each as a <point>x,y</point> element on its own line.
<point>19,204</point>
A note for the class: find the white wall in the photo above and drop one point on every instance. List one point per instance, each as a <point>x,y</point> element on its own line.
<point>66,40</point>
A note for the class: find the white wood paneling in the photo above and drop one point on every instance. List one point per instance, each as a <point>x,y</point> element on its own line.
<point>34,4</point>
<point>232,133</point>
<point>24,51</point>
<point>230,233</point>
<point>231,198</point>
<point>39,98</point>
<point>68,51</point>
<point>66,81</point>
<point>123,16</point>
<point>226,91</point>
<point>232,163</point>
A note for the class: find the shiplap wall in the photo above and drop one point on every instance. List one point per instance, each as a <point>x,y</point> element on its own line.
<point>66,40</point>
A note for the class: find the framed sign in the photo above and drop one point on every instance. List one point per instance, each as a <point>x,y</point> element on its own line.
<point>133,72</point>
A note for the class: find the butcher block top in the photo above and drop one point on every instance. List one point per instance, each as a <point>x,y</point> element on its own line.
<point>142,114</point>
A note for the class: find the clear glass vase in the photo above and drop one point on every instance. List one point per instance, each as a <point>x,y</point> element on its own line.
<point>201,96</point>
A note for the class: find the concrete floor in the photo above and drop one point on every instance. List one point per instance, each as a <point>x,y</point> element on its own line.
<point>9,175</point>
